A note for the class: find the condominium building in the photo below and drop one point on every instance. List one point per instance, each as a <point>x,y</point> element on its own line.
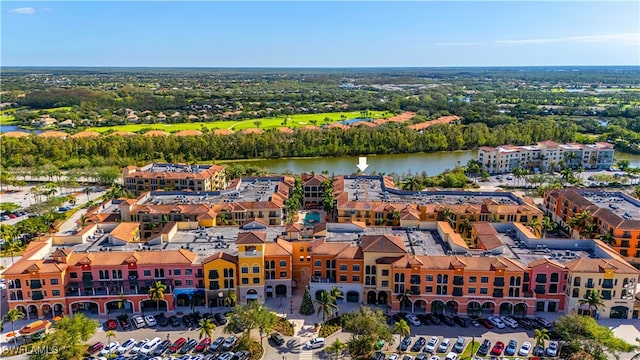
<point>545,155</point>
<point>157,176</point>
<point>313,188</point>
<point>615,213</point>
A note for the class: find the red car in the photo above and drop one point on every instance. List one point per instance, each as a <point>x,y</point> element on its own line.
<point>177,345</point>
<point>95,348</point>
<point>497,348</point>
<point>486,323</point>
<point>203,345</point>
<point>111,324</point>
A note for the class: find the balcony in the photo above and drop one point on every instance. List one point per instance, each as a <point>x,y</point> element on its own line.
<point>457,291</point>
<point>115,288</point>
<point>498,293</point>
<point>37,295</point>
<point>16,296</point>
<point>498,282</point>
<point>458,281</point>
<point>35,284</point>
<point>607,284</point>
<point>315,279</point>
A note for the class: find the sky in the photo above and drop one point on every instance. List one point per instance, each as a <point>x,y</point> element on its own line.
<point>319,34</point>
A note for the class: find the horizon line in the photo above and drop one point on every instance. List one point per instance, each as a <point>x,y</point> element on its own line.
<point>315,67</point>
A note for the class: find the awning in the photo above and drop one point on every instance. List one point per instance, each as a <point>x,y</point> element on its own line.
<point>269,288</point>
<point>252,296</point>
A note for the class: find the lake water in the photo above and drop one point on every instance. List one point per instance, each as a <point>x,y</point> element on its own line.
<point>433,163</point>
<point>8,128</point>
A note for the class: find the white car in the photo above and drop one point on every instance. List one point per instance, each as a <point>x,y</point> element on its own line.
<point>525,349</point>
<point>150,320</point>
<point>412,320</point>
<point>393,357</point>
<point>444,345</point>
<point>110,348</point>
<point>451,356</point>
<point>126,346</point>
<point>510,321</point>
<point>315,343</point>
<point>150,346</point>
<point>431,345</point>
<point>138,346</point>
<point>138,321</point>
<point>496,322</point>
<point>434,357</point>
<point>552,350</point>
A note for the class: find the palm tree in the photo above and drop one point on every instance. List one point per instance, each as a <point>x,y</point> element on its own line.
<point>404,297</point>
<point>536,226</point>
<point>12,246</point>
<point>83,220</point>
<point>336,347</point>
<point>87,191</point>
<point>109,334</point>
<point>567,174</point>
<point>465,228</point>
<point>121,302</point>
<point>412,183</point>
<point>607,238</point>
<point>157,293</point>
<point>206,328</point>
<point>12,316</point>
<point>594,301</point>
<point>547,225</point>
<point>402,328</point>
<point>231,298</point>
<point>336,294</point>
<point>326,304</point>
<point>540,336</point>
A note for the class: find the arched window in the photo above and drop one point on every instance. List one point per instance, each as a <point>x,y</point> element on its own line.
<point>575,293</point>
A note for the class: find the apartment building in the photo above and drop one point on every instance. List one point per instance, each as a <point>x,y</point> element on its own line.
<point>545,155</point>
<point>157,176</point>
<point>615,213</point>
<point>313,188</point>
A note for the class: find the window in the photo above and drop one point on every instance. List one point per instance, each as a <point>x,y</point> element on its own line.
<point>256,269</point>
<point>539,289</point>
<point>472,290</point>
<point>428,289</point>
<point>541,278</point>
<point>385,283</point>
<point>473,279</point>
<point>343,278</point>
<point>283,274</point>
<point>188,271</point>
<point>189,282</point>
<point>54,281</point>
<point>213,274</point>
<point>55,293</point>
<point>178,282</point>
<point>177,272</point>
<point>385,272</point>
<point>73,275</point>
<point>484,279</point>
<point>283,263</point>
<point>355,267</point>
<point>146,273</point>
<point>343,267</point>
<point>553,289</point>
<point>159,273</point>
<point>256,280</point>
<point>555,277</point>
<point>245,281</point>
<point>245,269</point>
<point>575,293</point>
<point>356,279</point>
<point>484,291</point>
<point>317,273</point>
<point>428,278</point>
<point>317,263</point>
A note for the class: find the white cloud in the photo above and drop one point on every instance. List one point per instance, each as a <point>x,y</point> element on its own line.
<point>24,10</point>
<point>628,38</point>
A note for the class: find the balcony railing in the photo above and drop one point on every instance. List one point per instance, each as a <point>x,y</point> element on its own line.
<point>458,281</point>
<point>498,293</point>
<point>498,283</point>
<point>316,279</point>
<point>607,284</point>
<point>125,287</point>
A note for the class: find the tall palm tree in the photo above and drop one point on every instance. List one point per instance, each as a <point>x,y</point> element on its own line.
<point>536,226</point>
<point>109,334</point>
<point>336,294</point>
<point>206,328</point>
<point>12,246</point>
<point>12,316</point>
<point>594,300</point>
<point>540,336</point>
<point>607,238</point>
<point>465,228</point>
<point>326,304</point>
<point>412,183</point>
<point>404,297</point>
<point>547,225</point>
<point>336,347</point>
<point>402,328</point>
<point>157,293</point>
<point>231,298</point>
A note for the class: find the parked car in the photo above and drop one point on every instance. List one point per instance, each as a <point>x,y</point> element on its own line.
<point>190,345</point>
<point>484,347</point>
<point>552,349</point>
<point>315,343</point>
<point>544,323</point>
<point>126,346</point>
<point>174,321</point>
<point>95,348</point>
<point>161,320</point>
<point>497,348</point>
<point>451,356</point>
<point>486,323</point>
<point>404,344</point>
<point>150,346</point>
<point>423,319</point>
<point>177,345</point>
<point>524,349</point>
<point>511,348</point>
<point>496,322</point>
<point>277,338</point>
<point>124,322</point>
<point>475,323</point>
<point>217,344</point>
<point>459,345</point>
<point>508,320</point>
<point>111,324</point>
<point>112,347</point>
<point>434,319</point>
<point>136,348</point>
<point>162,347</point>
<point>229,342</point>
<point>203,344</point>
<point>417,346</point>
<point>150,321</point>
<point>226,356</point>
<point>538,351</point>
<point>444,345</point>
<point>431,345</point>
<point>138,322</point>
<point>525,323</point>
<point>241,355</point>
<point>220,319</point>
<point>412,320</point>
<point>447,320</point>
<point>464,322</point>
<point>393,357</point>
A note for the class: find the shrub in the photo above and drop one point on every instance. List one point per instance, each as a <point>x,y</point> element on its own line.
<point>330,327</point>
<point>246,342</point>
<point>284,327</point>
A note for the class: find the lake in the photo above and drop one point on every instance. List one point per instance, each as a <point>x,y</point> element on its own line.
<point>433,163</point>
<point>8,128</point>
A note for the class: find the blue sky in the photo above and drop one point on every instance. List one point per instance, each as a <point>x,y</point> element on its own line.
<point>319,34</point>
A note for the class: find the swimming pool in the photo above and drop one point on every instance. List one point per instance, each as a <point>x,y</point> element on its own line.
<point>311,218</point>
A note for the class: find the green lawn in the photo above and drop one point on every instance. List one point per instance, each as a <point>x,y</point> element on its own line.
<point>7,120</point>
<point>470,351</point>
<point>6,117</point>
<point>293,121</point>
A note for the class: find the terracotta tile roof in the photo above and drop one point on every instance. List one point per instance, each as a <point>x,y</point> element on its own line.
<point>484,228</point>
<point>363,123</point>
<point>383,243</point>
<point>338,126</point>
<point>15,134</point>
<point>156,133</point>
<point>53,134</point>
<point>109,258</point>
<point>315,180</point>
<point>125,231</point>
<point>293,228</point>
<point>222,132</point>
<point>221,255</point>
<point>387,259</point>
<point>309,128</point>
<point>278,248</point>
<point>440,120</point>
<point>545,261</point>
<point>587,265</point>
<point>188,133</point>
<point>85,134</point>
<point>252,131</point>
<point>251,237</point>
<point>321,247</point>
<point>285,130</point>
<point>123,133</point>
<point>351,252</point>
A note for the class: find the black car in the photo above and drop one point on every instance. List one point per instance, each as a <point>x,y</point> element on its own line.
<point>162,347</point>
<point>217,344</point>
<point>161,320</point>
<point>187,321</point>
<point>525,323</point>
<point>390,320</point>
<point>447,320</point>
<point>277,338</point>
<point>419,344</point>
<point>220,319</point>
<point>399,316</point>
<point>241,355</point>
<point>464,322</point>
<point>434,319</point>
<point>123,320</point>
<point>378,356</point>
<point>190,345</point>
<point>484,348</point>
<point>174,321</point>
<point>423,319</point>
<point>404,345</point>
